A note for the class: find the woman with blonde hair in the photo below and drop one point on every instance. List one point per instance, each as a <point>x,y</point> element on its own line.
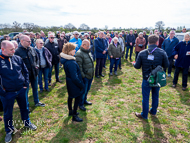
<point>74,80</point>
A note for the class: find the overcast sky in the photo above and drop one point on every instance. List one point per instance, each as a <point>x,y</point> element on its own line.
<point>98,13</point>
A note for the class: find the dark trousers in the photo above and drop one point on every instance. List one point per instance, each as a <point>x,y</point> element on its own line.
<point>87,86</point>
<point>137,53</point>
<point>8,104</point>
<point>170,65</point>
<point>131,52</point>
<point>99,66</point>
<point>76,104</point>
<point>105,59</point>
<point>145,102</point>
<point>34,85</point>
<point>115,62</point>
<point>1,106</point>
<point>184,75</point>
<point>44,72</point>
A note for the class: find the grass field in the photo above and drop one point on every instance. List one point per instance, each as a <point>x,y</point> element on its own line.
<point>111,117</point>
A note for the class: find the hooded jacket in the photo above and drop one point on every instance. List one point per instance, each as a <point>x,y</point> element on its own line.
<point>13,74</point>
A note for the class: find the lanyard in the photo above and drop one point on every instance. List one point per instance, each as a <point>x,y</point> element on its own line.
<point>150,53</point>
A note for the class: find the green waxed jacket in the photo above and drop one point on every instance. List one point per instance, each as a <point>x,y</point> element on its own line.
<point>85,62</point>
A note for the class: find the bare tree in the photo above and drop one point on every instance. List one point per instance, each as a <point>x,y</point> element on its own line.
<point>84,27</point>
<point>16,26</point>
<point>28,26</point>
<point>159,25</point>
<point>69,26</point>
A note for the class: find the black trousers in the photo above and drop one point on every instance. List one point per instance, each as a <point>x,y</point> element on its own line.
<point>99,66</point>
<point>184,76</point>
<point>1,106</point>
<point>137,53</point>
<point>76,104</point>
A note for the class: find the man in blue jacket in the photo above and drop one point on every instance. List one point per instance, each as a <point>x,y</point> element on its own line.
<point>130,41</point>
<point>100,54</point>
<point>153,56</point>
<point>168,46</point>
<point>14,80</point>
<point>76,40</point>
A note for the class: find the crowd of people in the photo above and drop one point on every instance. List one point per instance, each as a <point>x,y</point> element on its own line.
<point>29,59</point>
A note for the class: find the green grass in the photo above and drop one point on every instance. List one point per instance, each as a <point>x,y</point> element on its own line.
<point>111,117</point>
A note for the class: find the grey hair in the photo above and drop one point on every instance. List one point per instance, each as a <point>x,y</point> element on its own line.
<point>115,32</point>
<point>185,35</point>
<point>144,31</point>
<point>115,38</point>
<point>140,33</point>
<point>172,31</point>
<point>51,34</point>
<point>151,31</point>
<point>14,42</point>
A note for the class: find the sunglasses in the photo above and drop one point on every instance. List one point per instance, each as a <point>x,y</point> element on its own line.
<point>62,36</point>
<point>52,37</point>
<point>41,43</point>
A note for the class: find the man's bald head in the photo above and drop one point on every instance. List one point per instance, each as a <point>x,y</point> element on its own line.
<point>7,48</point>
<point>86,44</point>
<point>25,41</point>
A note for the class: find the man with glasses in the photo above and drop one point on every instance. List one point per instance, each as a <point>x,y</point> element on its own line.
<point>168,45</point>
<point>76,40</point>
<point>55,51</point>
<point>31,60</point>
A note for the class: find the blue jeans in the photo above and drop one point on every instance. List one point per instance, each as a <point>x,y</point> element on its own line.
<point>56,67</point>
<point>87,86</point>
<point>115,62</point>
<point>131,51</point>
<point>45,72</point>
<point>145,102</point>
<point>8,104</point>
<point>34,84</point>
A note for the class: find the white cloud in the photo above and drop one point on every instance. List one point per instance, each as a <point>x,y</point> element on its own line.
<point>120,13</point>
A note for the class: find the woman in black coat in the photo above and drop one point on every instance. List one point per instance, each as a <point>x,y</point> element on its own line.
<point>74,80</point>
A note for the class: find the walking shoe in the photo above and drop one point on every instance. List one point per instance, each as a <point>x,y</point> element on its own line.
<point>88,103</point>
<point>49,84</point>
<point>47,90</point>
<point>97,76</point>
<point>59,81</point>
<point>111,73</point>
<point>169,75</point>
<point>76,118</point>
<point>40,104</point>
<point>174,85</point>
<point>184,88</point>
<point>31,126</point>
<point>8,138</point>
<point>115,73</point>
<point>82,108</point>
<point>101,75</point>
<point>120,68</point>
<point>138,115</point>
<point>41,91</point>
